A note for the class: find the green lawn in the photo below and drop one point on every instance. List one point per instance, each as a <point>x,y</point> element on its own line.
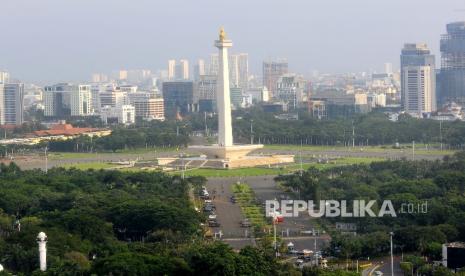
<point>276,171</point>
<point>86,166</point>
<point>246,199</point>
<point>77,155</point>
<point>419,149</point>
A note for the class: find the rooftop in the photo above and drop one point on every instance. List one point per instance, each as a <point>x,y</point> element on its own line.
<point>63,129</point>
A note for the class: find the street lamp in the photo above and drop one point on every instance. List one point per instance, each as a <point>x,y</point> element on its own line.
<point>392,256</point>
<point>251,131</point>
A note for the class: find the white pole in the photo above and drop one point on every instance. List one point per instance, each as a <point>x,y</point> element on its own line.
<point>392,256</point>
<point>275,243</point>
<point>314,241</point>
<point>182,169</point>
<point>46,160</point>
<point>42,242</point>
<point>440,132</point>
<point>413,150</point>
<point>353,135</point>
<point>301,165</point>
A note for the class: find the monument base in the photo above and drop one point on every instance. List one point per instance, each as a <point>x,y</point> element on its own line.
<point>225,158</point>
<point>220,152</point>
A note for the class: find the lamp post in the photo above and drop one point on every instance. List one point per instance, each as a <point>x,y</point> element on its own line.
<point>46,160</point>
<point>42,242</point>
<point>392,255</point>
<point>251,131</point>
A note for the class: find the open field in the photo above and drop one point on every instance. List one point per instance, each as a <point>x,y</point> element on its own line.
<point>420,149</point>
<point>87,166</point>
<point>128,152</point>
<point>277,170</point>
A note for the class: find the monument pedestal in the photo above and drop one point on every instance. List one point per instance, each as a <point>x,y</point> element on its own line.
<point>220,152</point>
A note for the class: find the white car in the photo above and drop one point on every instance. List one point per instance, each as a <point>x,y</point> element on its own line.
<point>299,262</point>
<point>378,273</point>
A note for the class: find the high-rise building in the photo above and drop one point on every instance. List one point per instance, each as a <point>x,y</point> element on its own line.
<point>2,104</point>
<point>291,89</point>
<point>182,70</point>
<point>65,99</point>
<point>178,97</point>
<point>213,65</point>
<point>199,69</point>
<point>171,69</point>
<point>452,75</point>
<point>243,70</point>
<point>417,55</point>
<point>113,98</point>
<point>238,69</point>
<point>13,99</point>
<point>237,98</point>
<point>272,70</point>
<point>259,94</point>
<point>81,101</point>
<point>205,88</point>
<point>120,75</point>
<point>124,114</point>
<point>233,62</point>
<point>419,88</point>
<point>97,78</point>
<point>149,109</point>
<point>388,68</point>
<point>4,77</point>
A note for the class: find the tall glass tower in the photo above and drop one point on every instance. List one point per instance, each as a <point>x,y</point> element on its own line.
<point>417,55</point>
<point>452,76</point>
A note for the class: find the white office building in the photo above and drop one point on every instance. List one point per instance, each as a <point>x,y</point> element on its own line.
<point>291,89</point>
<point>81,100</point>
<point>419,86</point>
<point>66,99</point>
<point>124,114</point>
<point>171,69</point>
<point>4,77</point>
<point>259,94</point>
<point>13,103</point>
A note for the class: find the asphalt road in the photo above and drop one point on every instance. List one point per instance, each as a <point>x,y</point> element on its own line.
<point>230,215</point>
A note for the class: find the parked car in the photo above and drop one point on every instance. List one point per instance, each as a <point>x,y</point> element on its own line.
<point>210,205</point>
<point>245,223</point>
<point>213,223</point>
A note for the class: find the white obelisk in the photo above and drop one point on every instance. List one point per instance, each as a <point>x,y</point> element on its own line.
<point>223,100</point>
<point>42,242</point>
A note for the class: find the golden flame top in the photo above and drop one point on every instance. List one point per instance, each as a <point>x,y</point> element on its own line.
<point>222,34</point>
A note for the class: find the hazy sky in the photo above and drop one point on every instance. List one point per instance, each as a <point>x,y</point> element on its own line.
<point>59,40</point>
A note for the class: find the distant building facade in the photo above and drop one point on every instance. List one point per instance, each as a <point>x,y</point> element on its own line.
<point>65,99</point>
<point>452,74</point>
<point>291,88</point>
<point>418,56</point>
<point>124,114</point>
<point>272,70</point>
<point>419,90</point>
<point>178,97</point>
<point>13,103</point>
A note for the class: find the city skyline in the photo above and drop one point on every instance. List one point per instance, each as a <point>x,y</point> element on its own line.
<point>40,50</point>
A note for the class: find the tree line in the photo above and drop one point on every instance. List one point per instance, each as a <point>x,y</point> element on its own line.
<point>117,223</point>
<point>369,129</point>
<point>438,184</point>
